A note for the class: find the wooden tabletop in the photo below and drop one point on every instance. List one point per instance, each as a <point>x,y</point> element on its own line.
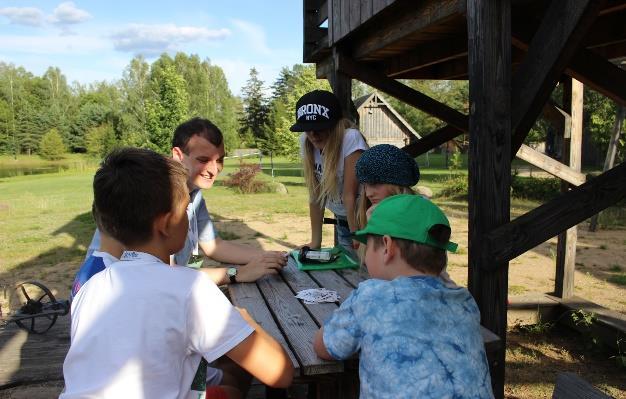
<point>271,302</point>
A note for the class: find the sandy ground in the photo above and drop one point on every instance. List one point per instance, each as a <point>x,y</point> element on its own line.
<point>600,255</point>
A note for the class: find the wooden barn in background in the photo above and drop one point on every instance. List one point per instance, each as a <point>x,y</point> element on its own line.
<point>513,53</point>
<point>381,124</point>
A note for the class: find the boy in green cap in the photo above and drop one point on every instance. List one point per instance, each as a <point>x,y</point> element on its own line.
<point>417,338</point>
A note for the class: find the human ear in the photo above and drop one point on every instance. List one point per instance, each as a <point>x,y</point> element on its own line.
<point>389,249</point>
<point>161,224</point>
<point>177,154</point>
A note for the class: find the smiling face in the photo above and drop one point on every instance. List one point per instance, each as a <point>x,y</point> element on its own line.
<point>318,138</point>
<point>203,160</point>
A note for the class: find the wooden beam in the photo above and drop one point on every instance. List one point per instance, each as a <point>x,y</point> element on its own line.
<point>425,55</point>
<point>539,225</point>
<point>432,140</point>
<point>489,69</point>
<point>559,35</point>
<point>378,80</point>
<point>414,17</point>
<point>559,119</point>
<point>599,74</point>
<point>342,87</point>
<point>572,146</point>
<point>550,165</point>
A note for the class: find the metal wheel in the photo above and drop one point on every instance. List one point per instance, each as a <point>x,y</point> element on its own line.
<point>34,299</point>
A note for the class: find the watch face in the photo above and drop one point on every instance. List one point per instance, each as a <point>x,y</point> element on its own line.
<point>231,272</point>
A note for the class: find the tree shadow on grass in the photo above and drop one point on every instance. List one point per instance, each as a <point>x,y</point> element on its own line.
<point>31,358</point>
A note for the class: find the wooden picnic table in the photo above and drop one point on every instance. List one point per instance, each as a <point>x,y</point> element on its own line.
<point>271,302</point>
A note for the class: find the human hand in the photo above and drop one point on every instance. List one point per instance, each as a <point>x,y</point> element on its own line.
<point>269,262</point>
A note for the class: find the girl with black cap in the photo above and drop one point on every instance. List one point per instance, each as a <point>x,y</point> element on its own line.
<point>330,148</point>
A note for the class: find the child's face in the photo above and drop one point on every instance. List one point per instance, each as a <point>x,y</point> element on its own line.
<point>378,192</point>
<point>318,138</point>
<point>204,161</point>
<point>374,259</point>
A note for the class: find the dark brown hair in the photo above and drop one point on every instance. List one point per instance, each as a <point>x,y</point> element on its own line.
<point>196,127</point>
<point>423,258</point>
<point>132,188</point>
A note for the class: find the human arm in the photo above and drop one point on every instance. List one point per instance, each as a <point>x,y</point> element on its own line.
<point>319,347</point>
<point>262,356</point>
<point>256,263</point>
<point>351,188</point>
<point>316,215</point>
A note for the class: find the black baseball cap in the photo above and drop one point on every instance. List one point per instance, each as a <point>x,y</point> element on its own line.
<point>316,110</point>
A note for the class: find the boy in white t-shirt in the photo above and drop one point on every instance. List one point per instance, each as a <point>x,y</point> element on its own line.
<point>146,337</point>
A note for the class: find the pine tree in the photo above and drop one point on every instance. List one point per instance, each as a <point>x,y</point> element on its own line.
<point>255,114</point>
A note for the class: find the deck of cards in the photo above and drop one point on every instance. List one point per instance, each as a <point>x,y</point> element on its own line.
<point>318,295</point>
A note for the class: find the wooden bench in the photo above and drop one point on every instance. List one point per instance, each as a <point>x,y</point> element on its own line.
<point>571,386</point>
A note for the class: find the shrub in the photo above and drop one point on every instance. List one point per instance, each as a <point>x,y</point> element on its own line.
<point>533,188</point>
<point>456,161</point>
<point>52,146</point>
<point>455,186</point>
<point>245,179</point>
<point>100,140</point>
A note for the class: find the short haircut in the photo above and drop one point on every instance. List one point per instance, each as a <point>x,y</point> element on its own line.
<point>132,188</point>
<point>196,127</point>
<point>420,257</point>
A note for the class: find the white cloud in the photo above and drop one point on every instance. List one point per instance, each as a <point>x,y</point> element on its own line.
<point>67,13</point>
<point>156,39</point>
<point>30,16</point>
<point>255,34</point>
<point>53,45</point>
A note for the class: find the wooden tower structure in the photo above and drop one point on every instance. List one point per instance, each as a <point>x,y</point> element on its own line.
<point>513,52</point>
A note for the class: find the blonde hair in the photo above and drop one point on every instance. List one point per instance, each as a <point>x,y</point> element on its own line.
<point>361,213</point>
<point>327,188</point>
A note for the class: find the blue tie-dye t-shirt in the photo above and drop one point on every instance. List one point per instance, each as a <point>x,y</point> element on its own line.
<point>418,339</point>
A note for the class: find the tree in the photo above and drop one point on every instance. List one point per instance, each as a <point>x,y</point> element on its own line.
<point>136,93</point>
<point>100,140</point>
<point>169,107</point>
<point>51,146</point>
<point>255,109</point>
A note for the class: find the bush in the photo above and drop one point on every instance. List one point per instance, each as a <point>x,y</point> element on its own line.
<point>455,186</point>
<point>52,146</point>
<point>533,188</point>
<point>245,180</point>
<point>100,140</point>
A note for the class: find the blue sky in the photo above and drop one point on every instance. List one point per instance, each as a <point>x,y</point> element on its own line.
<point>94,40</point>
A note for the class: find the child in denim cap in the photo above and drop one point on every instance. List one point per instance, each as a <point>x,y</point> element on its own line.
<point>417,337</point>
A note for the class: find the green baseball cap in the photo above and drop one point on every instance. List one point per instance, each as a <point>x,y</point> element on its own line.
<point>410,217</point>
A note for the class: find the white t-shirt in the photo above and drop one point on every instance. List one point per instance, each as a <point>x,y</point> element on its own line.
<point>140,327</point>
<point>352,141</point>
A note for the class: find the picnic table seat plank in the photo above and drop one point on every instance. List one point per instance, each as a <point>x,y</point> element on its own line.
<point>571,386</point>
<point>299,281</point>
<point>248,296</point>
<point>297,325</point>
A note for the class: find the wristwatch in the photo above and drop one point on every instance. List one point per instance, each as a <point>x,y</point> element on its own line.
<point>232,274</point>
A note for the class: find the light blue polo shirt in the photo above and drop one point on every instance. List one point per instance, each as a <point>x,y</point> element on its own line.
<point>201,229</point>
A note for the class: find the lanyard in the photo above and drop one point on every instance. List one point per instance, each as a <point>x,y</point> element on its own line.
<point>192,234</point>
<point>139,257</point>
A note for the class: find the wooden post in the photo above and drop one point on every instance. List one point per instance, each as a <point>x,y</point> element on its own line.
<point>342,87</point>
<point>489,69</point>
<point>610,154</point>
<point>572,145</point>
